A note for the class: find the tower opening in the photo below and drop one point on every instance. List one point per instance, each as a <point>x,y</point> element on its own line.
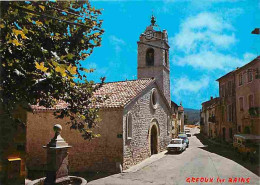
<point>150,57</point>
<point>153,57</point>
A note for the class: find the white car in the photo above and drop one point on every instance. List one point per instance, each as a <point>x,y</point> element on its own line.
<point>186,131</point>
<point>176,145</point>
<point>188,134</point>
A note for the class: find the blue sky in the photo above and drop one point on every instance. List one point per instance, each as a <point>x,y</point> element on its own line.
<point>208,38</point>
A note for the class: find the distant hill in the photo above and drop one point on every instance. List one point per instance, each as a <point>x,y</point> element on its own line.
<point>193,115</point>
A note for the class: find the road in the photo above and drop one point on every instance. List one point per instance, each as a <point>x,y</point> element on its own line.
<point>198,161</point>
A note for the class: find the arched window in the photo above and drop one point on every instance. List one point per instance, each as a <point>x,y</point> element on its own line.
<point>129,126</point>
<point>150,57</point>
<point>154,98</point>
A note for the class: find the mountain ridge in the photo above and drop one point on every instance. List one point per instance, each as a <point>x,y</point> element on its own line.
<point>193,115</point>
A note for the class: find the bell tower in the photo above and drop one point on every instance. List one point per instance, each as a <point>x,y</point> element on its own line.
<point>153,57</point>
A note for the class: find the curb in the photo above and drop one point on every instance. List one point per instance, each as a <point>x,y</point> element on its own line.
<point>145,162</point>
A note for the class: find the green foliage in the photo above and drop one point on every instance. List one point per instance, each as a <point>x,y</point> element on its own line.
<point>43,47</point>
<point>247,130</point>
<point>254,111</point>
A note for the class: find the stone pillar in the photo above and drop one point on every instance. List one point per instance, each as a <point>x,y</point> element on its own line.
<point>57,159</point>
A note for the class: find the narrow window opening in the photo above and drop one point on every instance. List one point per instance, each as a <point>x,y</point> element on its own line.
<point>150,57</point>
<point>129,126</point>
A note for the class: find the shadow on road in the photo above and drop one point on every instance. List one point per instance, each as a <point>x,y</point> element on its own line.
<point>172,153</point>
<point>227,153</point>
<point>90,176</point>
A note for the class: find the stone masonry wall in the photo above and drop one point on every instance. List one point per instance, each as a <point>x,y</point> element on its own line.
<point>138,148</point>
<point>159,71</point>
<point>166,85</point>
<point>100,154</point>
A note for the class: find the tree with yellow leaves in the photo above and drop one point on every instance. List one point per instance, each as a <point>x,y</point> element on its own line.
<point>43,47</point>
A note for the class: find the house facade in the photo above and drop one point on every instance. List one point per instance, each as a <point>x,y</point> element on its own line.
<point>248,97</point>
<point>227,98</point>
<point>210,123</point>
<point>177,119</point>
<point>181,117</point>
<point>236,110</point>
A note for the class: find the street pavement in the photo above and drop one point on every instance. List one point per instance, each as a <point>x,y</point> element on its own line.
<point>197,163</point>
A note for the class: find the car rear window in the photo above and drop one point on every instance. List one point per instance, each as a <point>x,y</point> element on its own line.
<point>176,142</point>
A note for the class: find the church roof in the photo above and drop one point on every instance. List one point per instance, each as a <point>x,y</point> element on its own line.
<point>120,93</point>
<point>117,94</point>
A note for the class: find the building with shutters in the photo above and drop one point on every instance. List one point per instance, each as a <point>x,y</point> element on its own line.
<point>237,109</point>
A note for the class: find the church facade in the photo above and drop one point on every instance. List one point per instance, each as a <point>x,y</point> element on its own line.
<point>136,116</point>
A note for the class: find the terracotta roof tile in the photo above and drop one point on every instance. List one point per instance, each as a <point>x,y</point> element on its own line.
<point>121,93</point>
<point>118,94</point>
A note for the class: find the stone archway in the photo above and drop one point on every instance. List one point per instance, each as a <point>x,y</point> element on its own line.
<point>154,140</point>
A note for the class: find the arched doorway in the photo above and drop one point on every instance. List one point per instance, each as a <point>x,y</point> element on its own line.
<point>154,140</point>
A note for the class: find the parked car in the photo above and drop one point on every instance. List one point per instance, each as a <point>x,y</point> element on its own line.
<point>188,134</point>
<point>185,138</point>
<point>176,145</point>
<point>247,145</point>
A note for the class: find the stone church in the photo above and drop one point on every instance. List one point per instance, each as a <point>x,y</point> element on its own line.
<point>136,117</point>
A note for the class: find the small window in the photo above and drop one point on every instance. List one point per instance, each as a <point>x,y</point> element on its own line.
<point>240,80</point>
<point>250,101</point>
<point>223,90</point>
<point>229,112</point>
<point>239,128</point>
<point>154,98</point>
<point>257,75</point>
<point>241,103</point>
<point>129,125</point>
<point>249,75</point>
<point>229,87</point>
<point>150,57</point>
